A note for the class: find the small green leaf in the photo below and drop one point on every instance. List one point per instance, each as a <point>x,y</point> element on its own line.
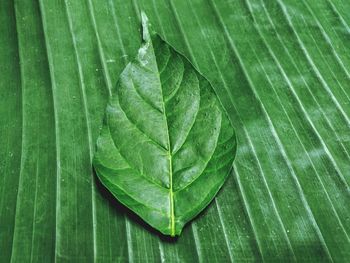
<point>167,145</point>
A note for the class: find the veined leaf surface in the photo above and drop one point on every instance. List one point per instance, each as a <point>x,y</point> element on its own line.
<point>166,146</point>
<point>280,69</point>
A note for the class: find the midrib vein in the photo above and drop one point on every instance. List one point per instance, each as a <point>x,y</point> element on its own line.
<point>145,25</point>
<point>171,192</point>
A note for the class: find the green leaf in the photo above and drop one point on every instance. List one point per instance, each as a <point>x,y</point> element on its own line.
<point>166,146</point>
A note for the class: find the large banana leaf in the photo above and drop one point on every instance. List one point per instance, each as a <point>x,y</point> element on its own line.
<point>280,68</point>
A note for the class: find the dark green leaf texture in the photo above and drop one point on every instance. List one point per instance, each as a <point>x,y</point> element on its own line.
<point>166,146</point>
<point>281,70</point>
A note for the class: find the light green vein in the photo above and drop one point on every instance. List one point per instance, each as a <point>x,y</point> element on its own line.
<point>87,122</point>
<point>109,85</point>
<point>171,193</point>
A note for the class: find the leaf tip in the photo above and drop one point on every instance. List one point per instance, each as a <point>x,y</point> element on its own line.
<point>144,17</point>
<point>145,26</point>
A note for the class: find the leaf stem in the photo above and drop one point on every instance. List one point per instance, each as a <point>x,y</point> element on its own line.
<point>172,213</point>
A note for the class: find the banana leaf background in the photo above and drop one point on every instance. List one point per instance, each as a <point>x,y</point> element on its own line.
<point>281,69</point>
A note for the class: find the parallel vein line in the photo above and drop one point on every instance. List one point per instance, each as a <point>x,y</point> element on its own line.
<point>305,82</point>
<point>283,150</point>
<point>330,68</point>
<point>345,24</point>
<point>280,221</point>
<point>100,50</point>
<point>316,174</point>
<point>327,39</point>
<point>342,22</point>
<point>312,64</point>
<point>184,37</point>
<point>268,118</point>
<point>248,210</point>
<point>129,240</point>
<point>109,86</point>
<point>224,230</point>
<point>299,103</point>
<point>254,152</point>
<point>234,49</point>
<point>115,19</point>
<point>57,133</point>
<point>20,178</point>
<point>240,187</point>
<point>87,122</point>
<point>34,208</point>
<point>197,243</point>
<point>316,71</point>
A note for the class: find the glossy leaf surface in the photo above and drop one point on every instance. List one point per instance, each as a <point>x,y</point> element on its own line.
<point>280,69</point>
<point>167,145</point>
